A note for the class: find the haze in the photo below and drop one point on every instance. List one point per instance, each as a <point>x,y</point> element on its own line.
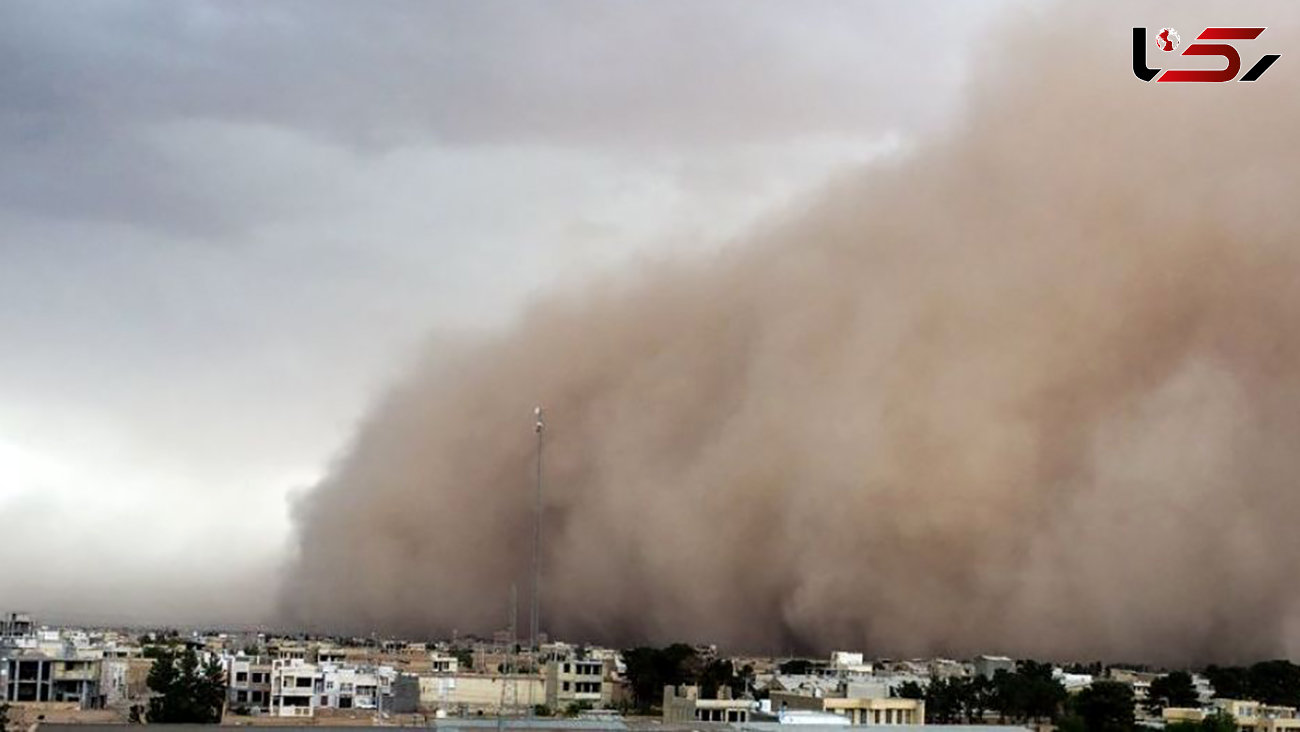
<point>880,325</point>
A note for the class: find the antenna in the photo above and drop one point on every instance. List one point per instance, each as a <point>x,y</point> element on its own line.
<point>509,678</point>
<point>535,618</point>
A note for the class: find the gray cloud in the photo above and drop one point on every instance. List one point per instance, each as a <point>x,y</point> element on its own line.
<point>166,114</point>
<point>224,227</point>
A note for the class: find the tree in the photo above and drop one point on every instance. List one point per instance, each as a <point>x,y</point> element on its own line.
<point>185,691</point>
<point>1172,690</point>
<point>976,695</point>
<point>1229,682</point>
<point>1217,722</point>
<point>1028,693</point>
<point>717,674</point>
<point>1274,682</point>
<point>4,716</point>
<point>908,690</point>
<point>943,701</point>
<point>1106,706</point>
<point>649,670</point>
<point>795,666</point>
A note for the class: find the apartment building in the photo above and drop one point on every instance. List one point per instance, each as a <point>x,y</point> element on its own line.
<point>295,687</point>
<point>299,689</point>
<point>580,682</point>
<point>40,678</point>
<point>248,682</point>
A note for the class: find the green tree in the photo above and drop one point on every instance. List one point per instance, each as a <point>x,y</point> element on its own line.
<point>1217,722</point>
<point>976,695</point>
<point>1274,682</point>
<point>649,670</point>
<point>795,666</point>
<point>1174,689</point>
<point>718,673</point>
<point>1043,694</point>
<point>908,690</point>
<point>1028,693</point>
<point>1220,721</point>
<point>186,691</point>
<point>1106,706</point>
<point>1229,682</point>
<point>944,701</point>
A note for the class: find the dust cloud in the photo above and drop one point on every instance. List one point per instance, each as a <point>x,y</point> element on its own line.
<point>1032,386</point>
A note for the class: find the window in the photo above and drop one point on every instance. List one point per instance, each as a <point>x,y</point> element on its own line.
<point>241,677</point>
<point>302,682</point>
<point>241,696</point>
<point>259,677</point>
<point>566,686</point>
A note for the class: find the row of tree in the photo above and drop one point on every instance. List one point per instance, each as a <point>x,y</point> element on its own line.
<point>1270,682</point>
<point>1028,693</point>
<point>185,691</point>
<point>649,670</point>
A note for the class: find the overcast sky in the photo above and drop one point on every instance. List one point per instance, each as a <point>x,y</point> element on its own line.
<point>225,227</point>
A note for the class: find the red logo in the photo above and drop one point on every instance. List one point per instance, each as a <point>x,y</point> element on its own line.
<point>1168,39</point>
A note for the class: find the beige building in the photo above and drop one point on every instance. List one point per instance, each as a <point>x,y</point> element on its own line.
<point>1250,716</point>
<point>466,694</point>
<point>859,710</point>
<point>683,705</point>
<point>570,682</point>
<point>248,684</point>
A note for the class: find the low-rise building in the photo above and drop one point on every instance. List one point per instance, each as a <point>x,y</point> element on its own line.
<point>858,710</point>
<point>467,694</point>
<point>1249,716</point>
<point>30,677</point>
<point>578,682</point>
<point>443,663</point>
<point>683,705</point>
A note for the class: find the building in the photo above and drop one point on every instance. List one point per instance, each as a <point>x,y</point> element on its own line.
<point>443,663</point>
<point>248,682</point>
<point>299,689</point>
<point>295,686</point>
<point>858,710</point>
<point>844,661</point>
<point>466,694</point>
<point>682,704</point>
<point>40,678</point>
<point>16,625</point>
<point>573,682</point>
